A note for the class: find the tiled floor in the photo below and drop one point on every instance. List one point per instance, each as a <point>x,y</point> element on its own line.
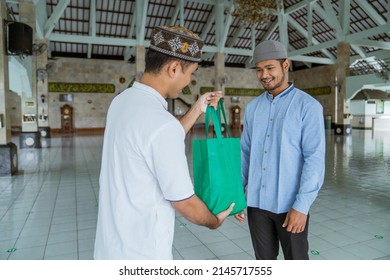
<point>48,210</point>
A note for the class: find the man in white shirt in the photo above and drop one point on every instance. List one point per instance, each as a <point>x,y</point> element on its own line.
<point>144,173</point>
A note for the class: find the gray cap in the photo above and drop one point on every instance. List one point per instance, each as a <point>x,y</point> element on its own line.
<point>268,50</point>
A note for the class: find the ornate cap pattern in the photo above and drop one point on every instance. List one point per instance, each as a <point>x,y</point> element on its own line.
<point>177,41</point>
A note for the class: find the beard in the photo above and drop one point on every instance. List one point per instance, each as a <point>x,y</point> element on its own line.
<point>268,88</point>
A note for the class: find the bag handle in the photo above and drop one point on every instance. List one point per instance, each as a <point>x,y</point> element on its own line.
<point>216,118</point>
<point>222,109</point>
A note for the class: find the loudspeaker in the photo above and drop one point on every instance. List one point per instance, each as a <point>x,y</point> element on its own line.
<point>20,39</point>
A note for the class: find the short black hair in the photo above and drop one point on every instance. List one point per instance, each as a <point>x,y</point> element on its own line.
<point>154,61</point>
<point>281,61</point>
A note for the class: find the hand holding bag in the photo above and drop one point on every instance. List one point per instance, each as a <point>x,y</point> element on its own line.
<point>217,166</point>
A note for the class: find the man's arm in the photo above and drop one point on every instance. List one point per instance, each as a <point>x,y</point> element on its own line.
<point>313,150</point>
<point>194,210</point>
<point>199,107</point>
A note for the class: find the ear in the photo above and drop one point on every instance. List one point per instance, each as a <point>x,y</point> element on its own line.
<point>173,68</point>
<point>286,65</point>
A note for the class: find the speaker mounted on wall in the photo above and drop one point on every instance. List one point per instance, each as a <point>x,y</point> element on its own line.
<point>19,39</point>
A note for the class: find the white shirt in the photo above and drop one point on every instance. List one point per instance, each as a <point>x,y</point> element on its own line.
<point>143,168</point>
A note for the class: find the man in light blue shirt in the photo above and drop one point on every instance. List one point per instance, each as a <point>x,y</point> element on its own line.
<point>283,158</point>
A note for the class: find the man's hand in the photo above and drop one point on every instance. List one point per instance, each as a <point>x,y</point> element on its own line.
<point>194,210</point>
<point>240,217</point>
<point>199,107</point>
<point>221,216</point>
<point>295,221</point>
<point>208,99</point>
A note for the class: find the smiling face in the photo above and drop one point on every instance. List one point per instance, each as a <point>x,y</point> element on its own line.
<point>272,75</point>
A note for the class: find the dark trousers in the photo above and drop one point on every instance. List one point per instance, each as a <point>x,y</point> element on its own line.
<point>266,232</point>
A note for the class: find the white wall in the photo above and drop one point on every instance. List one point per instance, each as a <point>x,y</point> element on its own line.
<point>364,113</point>
<point>358,107</point>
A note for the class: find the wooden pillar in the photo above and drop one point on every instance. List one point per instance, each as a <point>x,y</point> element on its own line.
<point>139,61</point>
<point>342,115</point>
<point>220,76</point>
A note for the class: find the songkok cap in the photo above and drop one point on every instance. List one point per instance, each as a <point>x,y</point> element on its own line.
<point>269,50</point>
<point>177,41</point>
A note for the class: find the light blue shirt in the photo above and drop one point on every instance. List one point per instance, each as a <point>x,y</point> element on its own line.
<point>283,151</point>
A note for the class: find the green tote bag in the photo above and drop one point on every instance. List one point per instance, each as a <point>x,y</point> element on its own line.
<point>217,166</point>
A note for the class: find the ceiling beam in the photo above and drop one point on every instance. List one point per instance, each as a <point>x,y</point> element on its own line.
<point>92,25</point>
<point>344,16</point>
<point>209,2</point>
<point>175,14</point>
<point>314,42</point>
<point>269,32</point>
<point>227,24</point>
<point>209,24</point>
<point>40,16</point>
<point>309,25</point>
<point>222,23</point>
<point>325,9</point>
<point>315,47</point>
<point>129,51</point>
<point>54,17</point>
<point>82,39</point>
<point>368,33</point>
<point>312,59</point>
<point>298,6</point>
<point>370,11</point>
<point>388,11</point>
<point>332,21</point>
<point>141,6</point>
<point>283,32</point>
<point>372,44</point>
<point>330,17</point>
<point>236,35</point>
<point>379,54</point>
<point>249,63</point>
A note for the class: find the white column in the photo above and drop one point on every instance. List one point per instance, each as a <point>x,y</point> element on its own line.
<point>5,123</point>
<point>8,150</point>
<point>29,137</point>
